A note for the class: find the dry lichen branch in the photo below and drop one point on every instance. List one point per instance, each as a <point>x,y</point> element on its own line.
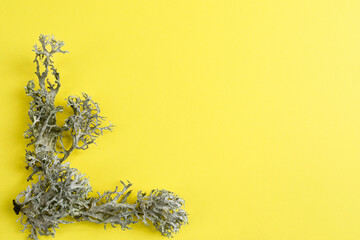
<point>61,193</point>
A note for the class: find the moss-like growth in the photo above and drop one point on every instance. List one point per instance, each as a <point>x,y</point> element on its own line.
<point>60,193</point>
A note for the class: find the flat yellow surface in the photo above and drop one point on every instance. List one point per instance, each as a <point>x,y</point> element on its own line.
<point>249,110</point>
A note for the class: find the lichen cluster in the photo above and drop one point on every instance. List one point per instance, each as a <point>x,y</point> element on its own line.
<point>59,193</point>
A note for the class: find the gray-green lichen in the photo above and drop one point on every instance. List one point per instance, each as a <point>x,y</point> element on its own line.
<point>59,193</point>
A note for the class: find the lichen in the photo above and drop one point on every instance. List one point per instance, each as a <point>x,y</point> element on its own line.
<point>59,193</point>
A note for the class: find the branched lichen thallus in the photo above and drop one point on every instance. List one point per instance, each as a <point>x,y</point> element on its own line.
<point>59,193</point>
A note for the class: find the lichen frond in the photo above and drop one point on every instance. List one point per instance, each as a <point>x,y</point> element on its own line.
<point>60,194</point>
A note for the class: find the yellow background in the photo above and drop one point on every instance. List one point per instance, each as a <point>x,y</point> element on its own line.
<point>249,110</point>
